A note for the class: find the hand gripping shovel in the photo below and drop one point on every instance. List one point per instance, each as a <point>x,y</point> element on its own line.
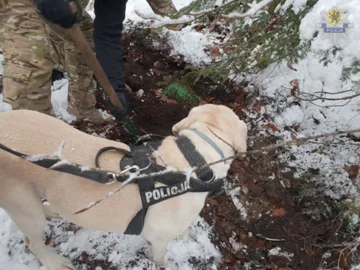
<point>83,46</point>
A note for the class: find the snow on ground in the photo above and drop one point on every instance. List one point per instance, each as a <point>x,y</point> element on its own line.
<point>3,106</point>
<point>59,93</point>
<point>320,115</point>
<point>109,247</point>
<point>191,44</point>
<point>143,7</point>
<point>188,42</point>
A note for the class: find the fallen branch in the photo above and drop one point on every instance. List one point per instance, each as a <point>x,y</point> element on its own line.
<point>188,172</point>
<point>342,244</point>
<point>313,97</point>
<point>270,239</point>
<point>109,194</point>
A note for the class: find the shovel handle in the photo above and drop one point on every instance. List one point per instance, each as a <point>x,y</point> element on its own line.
<point>84,47</point>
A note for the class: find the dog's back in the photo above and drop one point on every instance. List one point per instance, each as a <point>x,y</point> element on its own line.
<point>33,133</point>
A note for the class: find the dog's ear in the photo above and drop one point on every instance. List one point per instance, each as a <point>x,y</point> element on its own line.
<point>199,113</point>
<point>240,137</point>
<point>183,124</point>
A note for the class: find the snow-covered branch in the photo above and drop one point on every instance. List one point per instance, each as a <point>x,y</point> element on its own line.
<point>251,12</point>
<point>159,21</point>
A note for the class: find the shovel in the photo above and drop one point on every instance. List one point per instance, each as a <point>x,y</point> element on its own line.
<point>83,46</point>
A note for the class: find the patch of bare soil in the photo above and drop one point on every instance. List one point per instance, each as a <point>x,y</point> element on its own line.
<point>285,227</point>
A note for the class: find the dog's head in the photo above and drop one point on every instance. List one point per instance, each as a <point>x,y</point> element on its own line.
<point>220,117</point>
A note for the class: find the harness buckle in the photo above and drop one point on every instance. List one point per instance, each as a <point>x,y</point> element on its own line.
<point>203,178</point>
<point>212,178</point>
<point>114,176</point>
<point>112,179</point>
<point>129,168</point>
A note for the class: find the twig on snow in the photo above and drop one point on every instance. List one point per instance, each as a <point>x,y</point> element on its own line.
<point>313,97</point>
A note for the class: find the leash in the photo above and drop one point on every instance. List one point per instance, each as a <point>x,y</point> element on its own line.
<point>99,176</point>
<point>141,159</point>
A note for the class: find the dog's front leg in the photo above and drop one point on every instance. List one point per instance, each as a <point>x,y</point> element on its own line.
<point>28,214</point>
<point>186,235</point>
<point>158,251</point>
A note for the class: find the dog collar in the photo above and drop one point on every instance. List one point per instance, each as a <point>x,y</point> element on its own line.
<point>209,141</point>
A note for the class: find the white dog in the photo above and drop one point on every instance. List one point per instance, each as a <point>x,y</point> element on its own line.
<point>24,184</point>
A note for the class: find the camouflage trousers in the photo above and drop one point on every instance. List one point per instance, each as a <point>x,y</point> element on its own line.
<point>33,48</point>
<point>162,7</point>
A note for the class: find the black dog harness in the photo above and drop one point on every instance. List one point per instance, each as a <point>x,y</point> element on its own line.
<point>141,154</point>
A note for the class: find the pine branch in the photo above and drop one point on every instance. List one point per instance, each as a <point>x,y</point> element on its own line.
<point>262,150</point>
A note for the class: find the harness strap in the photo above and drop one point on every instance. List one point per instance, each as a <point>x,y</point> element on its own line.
<point>96,176</point>
<point>108,148</point>
<point>209,141</point>
<point>194,158</point>
<point>3,147</point>
<point>143,157</point>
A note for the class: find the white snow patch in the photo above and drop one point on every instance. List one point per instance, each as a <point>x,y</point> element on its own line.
<point>37,157</point>
<point>238,204</point>
<point>3,105</point>
<point>190,44</point>
<point>143,7</point>
<point>1,62</point>
<point>59,100</point>
<point>116,248</point>
<point>297,5</point>
<point>60,164</point>
<point>318,82</point>
<point>254,8</point>
<point>316,117</point>
<point>84,168</point>
<point>276,251</point>
<point>235,244</point>
<point>58,152</point>
<point>291,116</point>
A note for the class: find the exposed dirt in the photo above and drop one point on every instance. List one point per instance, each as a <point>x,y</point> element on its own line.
<point>274,201</point>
